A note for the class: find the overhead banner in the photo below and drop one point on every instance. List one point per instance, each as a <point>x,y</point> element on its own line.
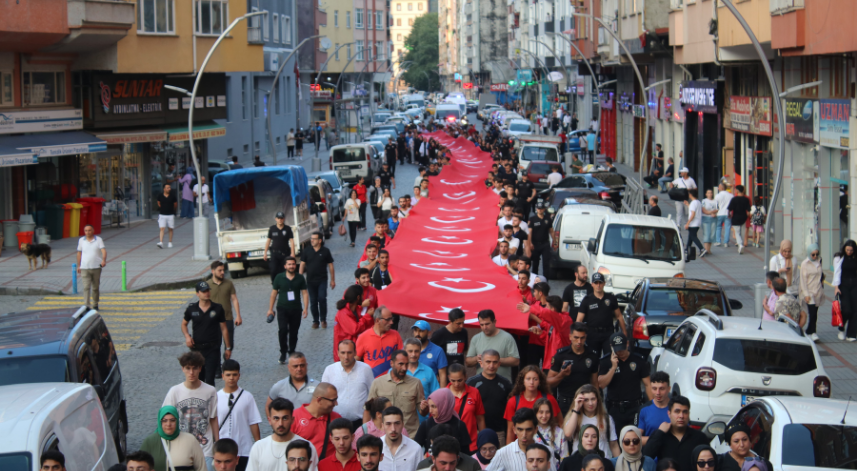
<point>833,123</point>
<point>802,120</point>
<point>499,87</point>
<point>440,257</point>
<point>751,114</point>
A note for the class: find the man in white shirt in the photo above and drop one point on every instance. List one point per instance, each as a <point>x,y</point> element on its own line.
<point>502,258</point>
<point>688,183</point>
<point>91,258</point>
<point>513,242</point>
<point>238,413</point>
<point>724,222</point>
<point>513,457</point>
<point>352,380</point>
<point>507,217</point>
<point>269,454</point>
<point>400,452</point>
<point>206,196</point>
<point>555,177</point>
<point>196,400</point>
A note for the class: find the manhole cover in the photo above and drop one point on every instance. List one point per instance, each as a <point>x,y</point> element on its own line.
<point>160,344</point>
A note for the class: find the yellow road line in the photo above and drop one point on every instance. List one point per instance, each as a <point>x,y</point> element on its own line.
<point>123,296</point>
<point>118,308</point>
<point>114,303</point>
<point>116,332</point>
<point>132,295</point>
<point>126,337</point>
<point>121,347</point>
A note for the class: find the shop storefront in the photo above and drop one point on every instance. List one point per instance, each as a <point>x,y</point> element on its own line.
<point>702,102</point>
<point>751,164</point>
<point>800,175</point>
<point>831,196</point>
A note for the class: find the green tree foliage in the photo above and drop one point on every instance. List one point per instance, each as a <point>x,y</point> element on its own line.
<point>422,47</point>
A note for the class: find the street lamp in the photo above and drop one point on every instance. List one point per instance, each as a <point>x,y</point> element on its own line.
<point>538,61</point>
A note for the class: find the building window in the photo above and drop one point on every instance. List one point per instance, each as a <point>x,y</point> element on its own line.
<point>211,16</point>
<point>276,25</point>
<point>265,28</point>
<point>398,7</point>
<point>420,6</point>
<point>379,19</point>
<point>6,97</point>
<point>410,21</point>
<point>255,93</point>
<point>287,29</point>
<point>379,50</point>
<point>348,20</point>
<point>359,49</point>
<point>156,16</point>
<point>243,97</point>
<point>398,37</point>
<point>398,22</point>
<point>358,18</point>
<point>410,7</point>
<point>336,18</point>
<point>42,88</point>
<point>368,19</point>
<point>336,51</point>
<point>348,51</point>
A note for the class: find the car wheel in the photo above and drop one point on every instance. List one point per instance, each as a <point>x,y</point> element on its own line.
<point>121,440</point>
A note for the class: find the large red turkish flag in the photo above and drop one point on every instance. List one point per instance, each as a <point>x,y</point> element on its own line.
<point>440,258</point>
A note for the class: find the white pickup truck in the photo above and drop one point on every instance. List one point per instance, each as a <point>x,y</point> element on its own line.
<point>245,202</point>
<point>532,147</point>
<point>630,247</point>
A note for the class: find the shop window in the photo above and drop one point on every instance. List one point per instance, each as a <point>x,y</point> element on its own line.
<point>246,148</point>
<point>398,7</point>
<point>276,28</point>
<point>348,19</point>
<point>336,18</point>
<point>6,96</point>
<point>287,29</point>
<point>211,16</point>
<point>156,16</point>
<point>410,7</point>
<point>243,97</point>
<point>42,88</point>
<point>840,77</point>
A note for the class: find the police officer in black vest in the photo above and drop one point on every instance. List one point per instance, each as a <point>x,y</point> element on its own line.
<point>281,242</point>
<point>572,367</point>
<point>621,373</point>
<point>208,321</point>
<point>598,310</point>
<point>540,238</point>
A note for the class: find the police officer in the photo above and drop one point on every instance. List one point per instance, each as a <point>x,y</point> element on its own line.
<point>572,367</point>
<point>401,148</point>
<point>390,154</point>
<point>209,330</point>
<point>386,177</point>
<point>281,242</point>
<point>598,310</point>
<point>621,373</point>
<point>539,238</point>
<point>526,194</point>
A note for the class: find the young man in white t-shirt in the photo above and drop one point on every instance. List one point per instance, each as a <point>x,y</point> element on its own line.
<point>694,222</point>
<point>238,413</point>
<point>513,242</point>
<point>724,222</point>
<point>688,183</point>
<point>206,196</point>
<point>196,400</point>
<point>502,258</point>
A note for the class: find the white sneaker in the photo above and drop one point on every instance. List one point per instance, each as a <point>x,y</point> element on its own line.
<point>717,244</point>
<point>703,253</point>
<point>740,249</point>
<point>160,245</point>
<point>170,245</point>
<point>850,339</point>
<point>814,337</point>
<point>841,335</point>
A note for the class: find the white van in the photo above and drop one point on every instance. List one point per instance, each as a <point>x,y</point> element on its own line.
<point>630,247</point>
<point>573,226</point>
<point>68,417</point>
<point>355,160</point>
<point>448,113</point>
<point>458,100</point>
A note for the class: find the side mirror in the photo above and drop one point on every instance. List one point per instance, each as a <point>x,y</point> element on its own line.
<point>691,254</point>
<point>735,304</point>
<point>715,428</point>
<point>551,210</point>
<point>623,298</point>
<point>590,246</point>
<point>657,341</point>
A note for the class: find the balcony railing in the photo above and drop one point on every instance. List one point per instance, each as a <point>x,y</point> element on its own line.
<point>254,35</point>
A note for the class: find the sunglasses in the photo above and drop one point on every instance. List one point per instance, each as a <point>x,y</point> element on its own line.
<point>705,464</point>
<point>631,441</point>
<point>814,254</point>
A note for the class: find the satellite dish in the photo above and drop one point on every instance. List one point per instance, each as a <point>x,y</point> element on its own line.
<point>325,43</point>
<point>555,76</point>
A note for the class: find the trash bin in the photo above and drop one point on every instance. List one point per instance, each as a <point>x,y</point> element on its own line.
<point>26,223</point>
<point>95,211</point>
<point>66,220</point>
<point>25,238</point>
<point>54,216</point>
<point>84,216</point>
<point>10,228</point>
<point>74,221</point>
<point>41,216</point>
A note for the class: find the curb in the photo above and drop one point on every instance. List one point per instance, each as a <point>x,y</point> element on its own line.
<point>20,291</point>
<point>170,285</point>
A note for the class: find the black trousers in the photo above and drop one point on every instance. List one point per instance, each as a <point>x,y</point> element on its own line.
<point>362,224</point>
<point>289,324</point>
<point>211,353</point>
<point>623,413</point>
<point>812,315</point>
<point>276,263</point>
<point>352,229</point>
<point>535,355</point>
<point>541,252</point>
<point>597,341</point>
<point>848,303</point>
<point>242,463</point>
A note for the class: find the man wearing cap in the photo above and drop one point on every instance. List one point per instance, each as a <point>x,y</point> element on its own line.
<point>598,310</point>
<point>539,239</point>
<point>390,154</point>
<point>621,373</point>
<point>684,181</point>
<point>281,242</point>
<point>431,355</point>
<point>209,330</point>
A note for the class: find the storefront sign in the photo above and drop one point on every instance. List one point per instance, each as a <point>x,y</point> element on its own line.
<point>751,114</point>
<point>698,96</point>
<point>525,75</point>
<point>562,98</point>
<point>132,137</point>
<point>581,87</point>
<point>74,149</point>
<point>639,111</point>
<point>40,121</point>
<point>499,87</point>
<point>607,100</point>
<point>217,131</point>
<point>624,102</point>
<point>833,123</point>
<point>801,120</point>
<point>664,108</point>
<point>15,160</point>
<point>457,77</point>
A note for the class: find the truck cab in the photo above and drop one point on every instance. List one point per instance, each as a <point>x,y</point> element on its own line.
<point>538,148</point>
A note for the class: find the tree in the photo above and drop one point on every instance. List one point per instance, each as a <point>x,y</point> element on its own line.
<point>423,51</point>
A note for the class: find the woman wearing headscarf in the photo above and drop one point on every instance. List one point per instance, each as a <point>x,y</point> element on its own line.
<point>785,264</point>
<point>812,287</point>
<point>845,286</point>
<point>587,444</point>
<point>756,465</point>
<point>172,449</point>
<point>702,458</point>
<point>442,411</point>
<point>487,444</point>
<point>631,458</point>
<point>738,439</point>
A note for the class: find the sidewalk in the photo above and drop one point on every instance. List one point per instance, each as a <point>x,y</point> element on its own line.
<point>737,274</point>
<point>147,265</point>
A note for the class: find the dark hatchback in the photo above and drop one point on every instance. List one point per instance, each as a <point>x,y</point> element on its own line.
<point>538,172</point>
<point>69,346</point>
<point>555,197</point>
<point>657,306</point>
<point>608,185</point>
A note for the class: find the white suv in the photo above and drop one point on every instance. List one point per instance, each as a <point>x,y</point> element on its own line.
<point>723,363</point>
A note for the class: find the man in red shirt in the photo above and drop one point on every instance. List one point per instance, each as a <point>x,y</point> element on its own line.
<point>468,402</point>
<point>345,458</point>
<point>553,321</point>
<point>311,420</point>
<point>375,346</point>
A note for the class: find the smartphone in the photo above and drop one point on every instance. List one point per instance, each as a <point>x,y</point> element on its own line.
<point>567,363</point>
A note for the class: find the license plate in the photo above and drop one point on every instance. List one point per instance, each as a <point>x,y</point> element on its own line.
<point>256,253</point>
<point>543,180</point>
<point>345,171</point>
<point>572,246</point>
<point>670,333</point>
<point>747,399</point>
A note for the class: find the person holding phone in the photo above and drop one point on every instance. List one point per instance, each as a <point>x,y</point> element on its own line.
<point>572,367</point>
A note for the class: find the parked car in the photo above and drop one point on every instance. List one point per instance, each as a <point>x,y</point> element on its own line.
<point>60,416</point>
<point>573,226</point>
<point>381,116</point>
<point>486,111</point>
<point>555,197</point>
<point>721,364</point>
<point>609,186</point>
<point>357,160</point>
<point>472,106</point>
<point>657,306</point>
<point>321,196</point>
<point>337,200</point>
<point>215,167</point>
<point>64,345</point>
<point>538,172</point>
<point>380,147</point>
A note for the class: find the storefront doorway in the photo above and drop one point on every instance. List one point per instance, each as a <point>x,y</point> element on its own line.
<point>114,177</point>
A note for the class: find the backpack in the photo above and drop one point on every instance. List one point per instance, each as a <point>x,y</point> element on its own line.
<point>758,216</point>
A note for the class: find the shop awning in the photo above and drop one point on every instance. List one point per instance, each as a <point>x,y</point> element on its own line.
<point>11,157</point>
<point>132,136</point>
<point>203,130</point>
<point>56,144</point>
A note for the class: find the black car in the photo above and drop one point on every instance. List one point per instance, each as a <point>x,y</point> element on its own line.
<point>610,186</point>
<point>657,306</point>
<point>554,197</point>
<point>69,346</point>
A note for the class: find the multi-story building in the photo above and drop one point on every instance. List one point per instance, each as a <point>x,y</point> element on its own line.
<point>448,37</point>
<point>403,13</point>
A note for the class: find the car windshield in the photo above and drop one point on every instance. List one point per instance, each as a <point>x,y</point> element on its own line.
<point>378,146</point>
<point>417,102</point>
<point>381,117</point>
<point>331,178</point>
<point>25,370</point>
<point>519,127</point>
<point>764,356</point>
<point>609,179</point>
<point>820,446</point>
<point>16,461</point>
<point>349,154</point>
<point>682,302</point>
<point>442,114</point>
<point>548,154</point>
<point>539,168</point>
<point>650,243</point>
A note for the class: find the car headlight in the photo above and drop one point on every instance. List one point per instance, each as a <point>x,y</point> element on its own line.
<point>608,278</point>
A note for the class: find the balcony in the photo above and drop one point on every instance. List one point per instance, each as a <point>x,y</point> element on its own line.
<point>254,35</point>
<point>95,25</point>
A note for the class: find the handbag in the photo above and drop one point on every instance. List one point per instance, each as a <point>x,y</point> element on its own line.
<point>678,194</point>
<point>342,230</point>
<point>836,316</point>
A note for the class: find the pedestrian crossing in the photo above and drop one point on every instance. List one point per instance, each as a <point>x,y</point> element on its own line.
<point>128,315</point>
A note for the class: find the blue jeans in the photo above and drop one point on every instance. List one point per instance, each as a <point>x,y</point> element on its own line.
<point>318,301</point>
<point>708,223</point>
<point>187,208</point>
<point>663,181</point>
<point>727,226</point>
